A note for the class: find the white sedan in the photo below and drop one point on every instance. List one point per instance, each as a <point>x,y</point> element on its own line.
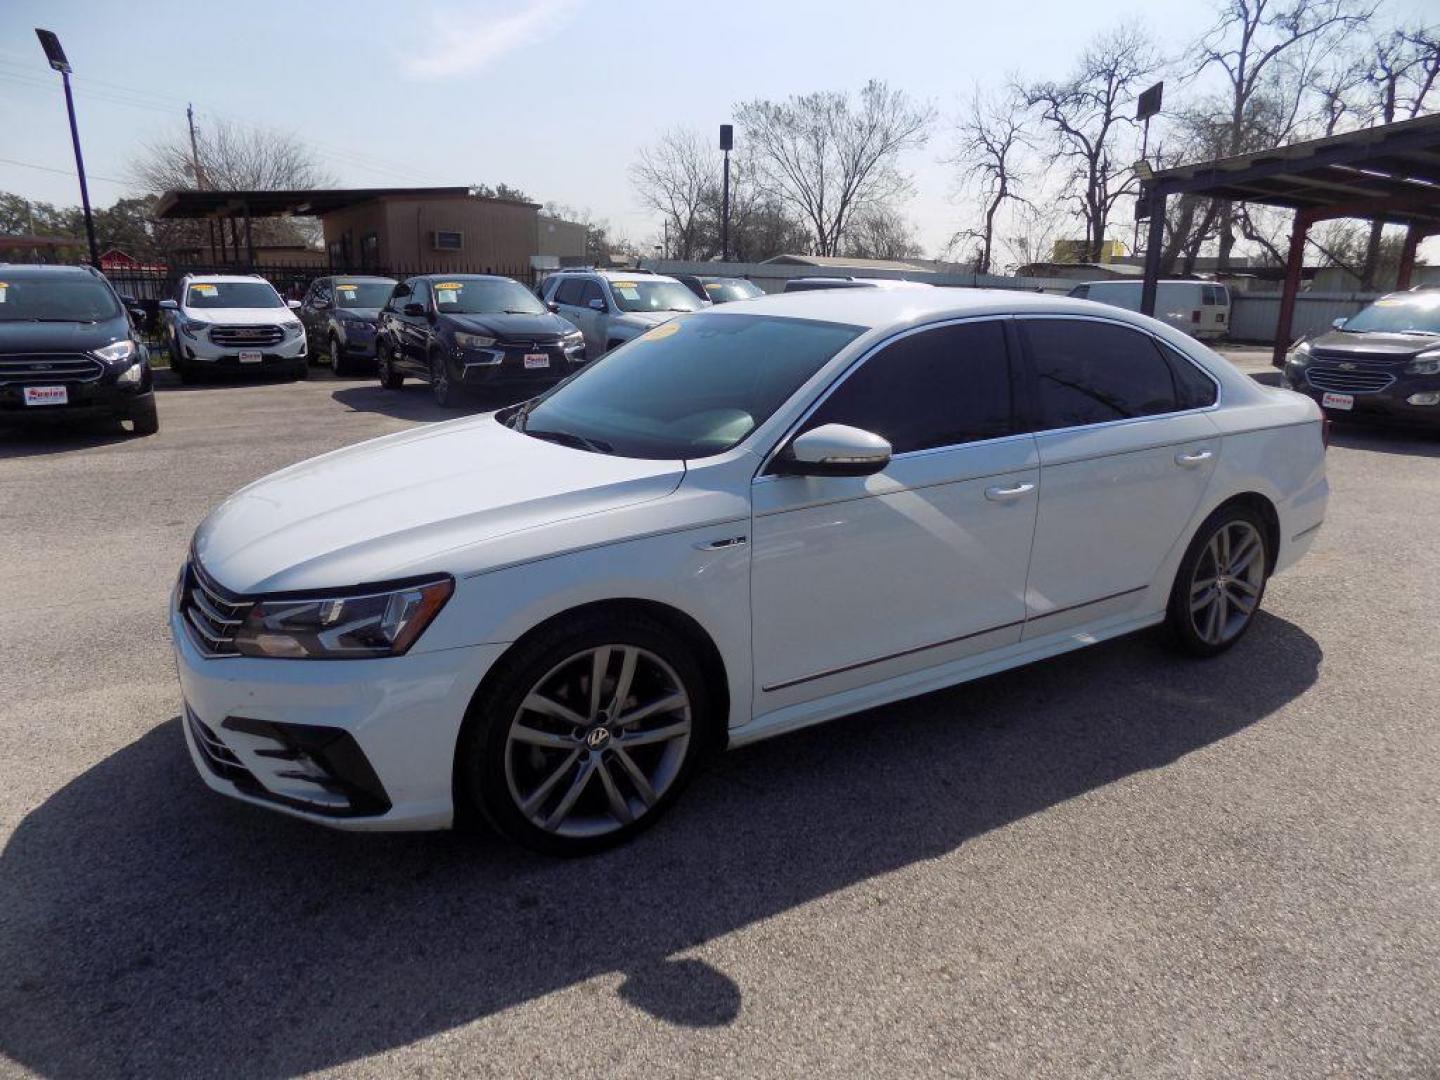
<point>746,521</point>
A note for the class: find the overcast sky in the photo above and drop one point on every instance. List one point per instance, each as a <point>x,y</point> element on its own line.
<point>553,96</point>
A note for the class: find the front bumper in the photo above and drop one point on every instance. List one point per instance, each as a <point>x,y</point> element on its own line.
<point>209,356</point>
<point>506,364</point>
<point>1390,405</point>
<point>86,400</point>
<point>354,744</point>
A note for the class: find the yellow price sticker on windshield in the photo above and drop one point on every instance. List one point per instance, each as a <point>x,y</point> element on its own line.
<point>661,332</point>
<point>450,285</point>
<point>204,290</point>
<point>622,284</point>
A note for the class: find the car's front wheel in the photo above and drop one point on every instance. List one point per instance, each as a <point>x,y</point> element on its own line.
<point>441,384</point>
<point>1221,581</point>
<point>390,379</point>
<point>335,356</point>
<point>585,735</point>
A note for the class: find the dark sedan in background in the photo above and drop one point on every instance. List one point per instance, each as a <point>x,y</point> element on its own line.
<point>1383,363</point>
<point>341,317</point>
<point>461,332</point>
<point>719,290</point>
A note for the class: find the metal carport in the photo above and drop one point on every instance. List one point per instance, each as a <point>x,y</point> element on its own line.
<point>1389,173</point>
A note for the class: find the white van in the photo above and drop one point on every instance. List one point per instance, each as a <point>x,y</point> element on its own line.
<point>1200,308</point>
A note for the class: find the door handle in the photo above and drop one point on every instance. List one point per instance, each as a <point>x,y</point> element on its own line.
<point>1008,494</point>
<point>1189,461</point>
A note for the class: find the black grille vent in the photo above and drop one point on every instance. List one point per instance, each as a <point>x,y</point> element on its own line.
<point>246,337</point>
<point>50,367</point>
<point>1359,381</point>
<point>213,619</point>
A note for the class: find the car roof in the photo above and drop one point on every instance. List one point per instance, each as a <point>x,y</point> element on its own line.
<point>1137,281</point>
<point>20,271</point>
<point>460,277</point>
<point>221,279</point>
<point>891,307</point>
<point>360,277</point>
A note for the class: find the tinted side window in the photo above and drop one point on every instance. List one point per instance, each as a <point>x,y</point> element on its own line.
<point>1092,372</point>
<point>936,388</point>
<point>591,291</point>
<point>420,293</point>
<point>1193,388</point>
<point>1080,292</point>
<point>568,292</point>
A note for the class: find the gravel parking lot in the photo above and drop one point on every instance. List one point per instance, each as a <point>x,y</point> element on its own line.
<point>1115,862</point>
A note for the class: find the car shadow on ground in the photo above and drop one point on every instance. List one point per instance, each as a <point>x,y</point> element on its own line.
<point>148,927</point>
<point>414,402</point>
<point>37,438</point>
<point>1381,438</point>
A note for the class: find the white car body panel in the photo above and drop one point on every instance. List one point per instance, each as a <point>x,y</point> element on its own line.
<point>828,594</point>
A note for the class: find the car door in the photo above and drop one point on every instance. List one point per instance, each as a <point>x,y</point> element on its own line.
<point>315,312</point>
<point>417,328</point>
<point>391,326</point>
<point>858,579</point>
<point>597,320</point>
<point>1127,450</point>
<point>568,307</point>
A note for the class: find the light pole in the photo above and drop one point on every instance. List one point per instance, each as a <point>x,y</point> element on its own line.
<point>56,55</point>
<point>727,140</point>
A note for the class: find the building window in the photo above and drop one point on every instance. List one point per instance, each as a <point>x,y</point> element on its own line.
<point>448,241</point>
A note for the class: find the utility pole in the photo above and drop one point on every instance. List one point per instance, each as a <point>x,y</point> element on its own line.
<point>194,149</point>
<point>727,140</point>
<point>56,55</point>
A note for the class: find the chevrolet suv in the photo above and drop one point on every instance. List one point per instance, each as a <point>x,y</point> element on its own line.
<point>69,349</point>
<point>1383,363</point>
<point>232,323</point>
<point>612,306</point>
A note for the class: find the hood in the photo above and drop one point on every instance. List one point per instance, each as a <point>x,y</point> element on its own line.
<point>1375,347</point>
<point>503,326</point>
<point>647,318</point>
<point>30,337</point>
<point>411,503</point>
<point>243,316</point>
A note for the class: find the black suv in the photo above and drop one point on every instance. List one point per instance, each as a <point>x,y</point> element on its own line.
<point>70,349</point>
<point>341,316</point>
<point>1383,363</point>
<point>464,331</point>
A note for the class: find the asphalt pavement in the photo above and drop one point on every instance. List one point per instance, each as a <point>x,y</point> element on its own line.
<point>1118,862</point>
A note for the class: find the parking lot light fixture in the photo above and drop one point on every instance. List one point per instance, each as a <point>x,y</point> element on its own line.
<point>56,55</point>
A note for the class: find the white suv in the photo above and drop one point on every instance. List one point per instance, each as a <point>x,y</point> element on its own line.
<point>230,323</point>
<point>612,306</point>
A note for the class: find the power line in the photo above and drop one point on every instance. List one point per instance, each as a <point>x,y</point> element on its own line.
<point>63,172</point>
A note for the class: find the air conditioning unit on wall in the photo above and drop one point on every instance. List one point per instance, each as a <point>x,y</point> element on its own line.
<point>441,240</point>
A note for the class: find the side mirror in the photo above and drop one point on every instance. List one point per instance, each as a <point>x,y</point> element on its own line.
<point>553,306</point>
<point>139,315</point>
<point>1339,324</point>
<point>129,301</point>
<point>834,450</point>
<point>293,305</point>
<point>597,305</point>
<point>169,305</point>
<point>414,310</point>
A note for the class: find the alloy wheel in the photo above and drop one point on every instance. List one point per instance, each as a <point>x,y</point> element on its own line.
<point>335,362</point>
<point>597,741</point>
<point>1228,580</point>
<point>440,380</point>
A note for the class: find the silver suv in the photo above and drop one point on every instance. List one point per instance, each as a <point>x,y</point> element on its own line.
<point>612,306</point>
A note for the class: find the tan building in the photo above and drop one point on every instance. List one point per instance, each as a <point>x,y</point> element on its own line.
<point>397,229</point>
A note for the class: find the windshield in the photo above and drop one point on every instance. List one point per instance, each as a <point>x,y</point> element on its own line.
<point>232,294</point>
<point>692,387</point>
<point>77,299</point>
<point>1416,313</point>
<point>727,289</point>
<point>362,294</point>
<point>485,296</point>
<point>642,295</point>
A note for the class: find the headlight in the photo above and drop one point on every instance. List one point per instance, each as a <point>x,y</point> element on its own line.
<point>1299,353</point>
<point>131,375</point>
<point>574,337</point>
<point>194,327</point>
<point>1427,363</point>
<point>117,351</point>
<point>293,329</point>
<point>353,627</point>
<point>474,341</point>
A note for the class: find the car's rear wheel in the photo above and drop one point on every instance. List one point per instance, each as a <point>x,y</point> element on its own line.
<point>1221,581</point>
<point>390,379</point>
<point>585,736</point>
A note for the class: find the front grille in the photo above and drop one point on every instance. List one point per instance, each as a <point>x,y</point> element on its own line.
<point>213,619</point>
<point>50,367</point>
<point>1359,381</point>
<point>533,345</point>
<point>246,337</point>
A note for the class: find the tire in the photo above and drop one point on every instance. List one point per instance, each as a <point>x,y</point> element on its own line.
<point>444,390</point>
<point>146,419</point>
<point>338,366</point>
<point>390,379</point>
<point>496,773</point>
<point>1221,582</point>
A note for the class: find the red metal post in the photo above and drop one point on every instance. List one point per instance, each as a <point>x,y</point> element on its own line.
<point>1293,265</point>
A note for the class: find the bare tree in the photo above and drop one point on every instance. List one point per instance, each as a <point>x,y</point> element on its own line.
<point>827,157</point>
<point>231,156</point>
<point>1268,51</point>
<point>679,178</point>
<point>881,232</point>
<point>1033,230</point>
<point>989,140</point>
<point>1093,132</point>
